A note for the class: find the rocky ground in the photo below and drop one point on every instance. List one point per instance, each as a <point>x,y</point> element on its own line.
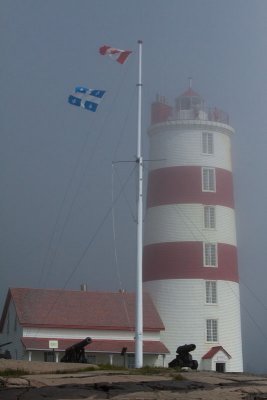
<point>43,381</point>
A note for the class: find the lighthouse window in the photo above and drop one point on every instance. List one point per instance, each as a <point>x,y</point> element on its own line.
<point>207,143</point>
<point>211,292</point>
<point>212,330</point>
<point>210,255</point>
<point>208,179</point>
<point>209,217</point>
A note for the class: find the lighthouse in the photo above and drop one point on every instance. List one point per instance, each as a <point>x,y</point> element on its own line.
<point>190,249</point>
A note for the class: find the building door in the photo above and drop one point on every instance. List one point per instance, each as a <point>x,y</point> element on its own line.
<point>220,367</point>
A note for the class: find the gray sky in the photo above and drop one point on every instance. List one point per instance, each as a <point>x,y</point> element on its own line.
<point>56,159</point>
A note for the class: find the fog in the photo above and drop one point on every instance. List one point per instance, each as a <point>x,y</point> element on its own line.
<point>61,166</point>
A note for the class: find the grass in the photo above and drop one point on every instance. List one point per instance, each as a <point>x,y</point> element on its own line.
<point>147,370</point>
<point>98,367</point>
<point>72,371</point>
<point>108,367</point>
<point>178,377</point>
<point>14,372</point>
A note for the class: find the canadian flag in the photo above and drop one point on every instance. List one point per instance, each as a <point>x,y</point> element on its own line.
<point>119,55</point>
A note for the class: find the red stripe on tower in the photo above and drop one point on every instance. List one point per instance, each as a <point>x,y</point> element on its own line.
<point>184,260</point>
<point>183,185</point>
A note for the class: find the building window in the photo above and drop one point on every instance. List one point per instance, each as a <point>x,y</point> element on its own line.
<point>207,143</point>
<point>208,179</point>
<point>212,330</point>
<point>209,217</point>
<point>211,292</point>
<point>210,255</point>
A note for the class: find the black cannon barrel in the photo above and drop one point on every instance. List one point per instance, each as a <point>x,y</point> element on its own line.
<point>80,345</point>
<point>185,348</point>
<point>76,353</point>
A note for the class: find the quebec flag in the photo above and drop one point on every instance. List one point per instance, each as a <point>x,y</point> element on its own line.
<point>86,98</point>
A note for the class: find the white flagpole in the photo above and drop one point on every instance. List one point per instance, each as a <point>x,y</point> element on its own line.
<point>139,277</point>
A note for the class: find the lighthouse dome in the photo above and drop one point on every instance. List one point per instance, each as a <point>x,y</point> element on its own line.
<point>190,105</point>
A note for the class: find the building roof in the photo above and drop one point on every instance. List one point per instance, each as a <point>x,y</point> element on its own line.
<point>79,309</point>
<point>214,350</point>
<point>97,346</point>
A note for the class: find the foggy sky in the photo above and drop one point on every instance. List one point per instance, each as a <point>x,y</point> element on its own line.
<point>56,227</point>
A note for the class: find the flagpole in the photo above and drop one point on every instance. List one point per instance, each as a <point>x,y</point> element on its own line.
<point>139,277</point>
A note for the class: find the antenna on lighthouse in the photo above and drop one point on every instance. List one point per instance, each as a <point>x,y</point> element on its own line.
<point>190,80</point>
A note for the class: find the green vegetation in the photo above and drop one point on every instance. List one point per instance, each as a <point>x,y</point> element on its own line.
<point>111,367</point>
<point>147,370</point>
<point>13,372</point>
<point>72,371</point>
<point>178,377</point>
<point>98,367</point>
<point>9,372</point>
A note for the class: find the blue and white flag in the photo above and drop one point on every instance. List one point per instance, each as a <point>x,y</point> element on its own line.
<point>86,98</point>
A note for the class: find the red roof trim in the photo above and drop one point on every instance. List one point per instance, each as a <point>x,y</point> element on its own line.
<point>97,346</point>
<point>214,350</point>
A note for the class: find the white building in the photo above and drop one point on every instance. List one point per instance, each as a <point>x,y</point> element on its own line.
<point>36,320</point>
<point>190,250</point>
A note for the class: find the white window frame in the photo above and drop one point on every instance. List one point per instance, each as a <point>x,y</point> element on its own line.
<point>208,179</point>
<point>212,330</point>
<point>210,259</point>
<point>207,143</point>
<point>209,220</point>
<point>211,292</point>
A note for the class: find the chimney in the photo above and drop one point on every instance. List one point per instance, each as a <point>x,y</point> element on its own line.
<point>84,287</point>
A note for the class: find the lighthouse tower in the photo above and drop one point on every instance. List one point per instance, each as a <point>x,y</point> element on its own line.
<point>190,252</point>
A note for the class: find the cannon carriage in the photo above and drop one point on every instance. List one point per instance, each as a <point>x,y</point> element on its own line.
<point>184,358</point>
<point>76,353</point>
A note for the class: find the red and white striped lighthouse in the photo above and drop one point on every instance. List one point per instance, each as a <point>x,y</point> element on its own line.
<point>190,252</point>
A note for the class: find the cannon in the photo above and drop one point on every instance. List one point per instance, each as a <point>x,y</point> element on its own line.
<point>6,355</point>
<point>76,353</point>
<point>184,358</point>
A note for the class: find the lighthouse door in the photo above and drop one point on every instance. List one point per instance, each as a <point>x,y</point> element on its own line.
<point>220,367</point>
